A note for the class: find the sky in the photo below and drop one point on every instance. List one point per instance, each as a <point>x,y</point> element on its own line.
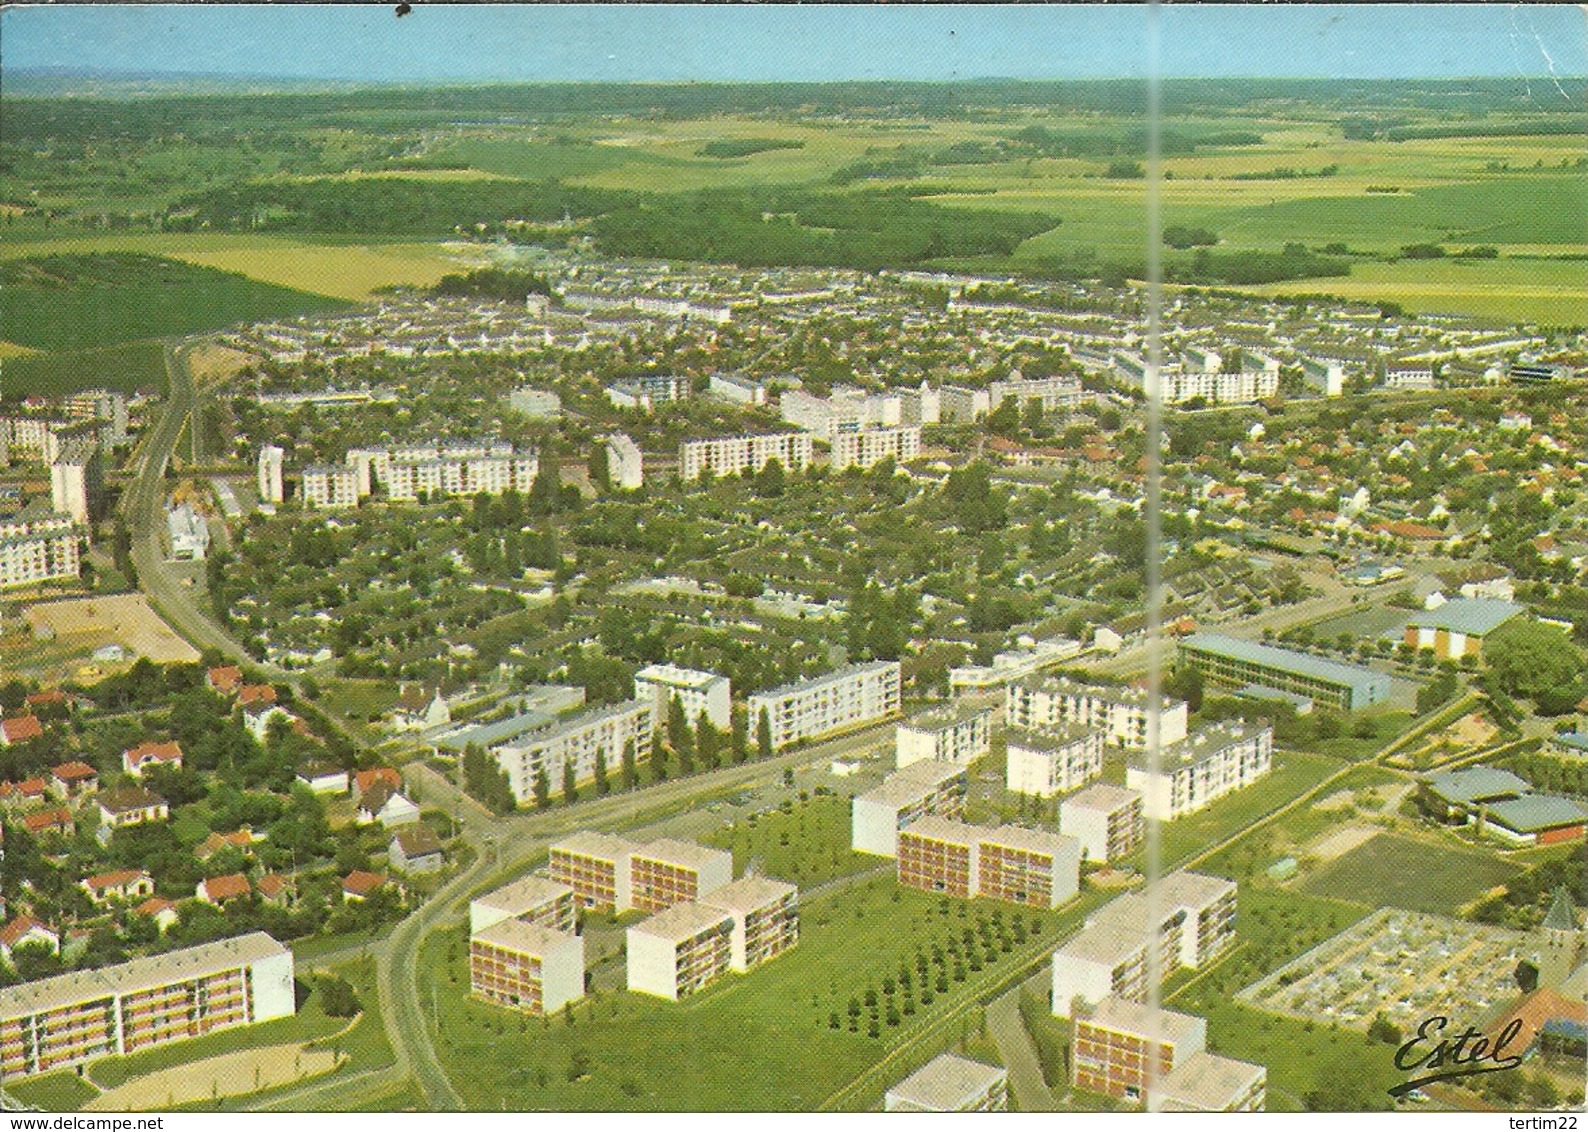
<point>536,43</point>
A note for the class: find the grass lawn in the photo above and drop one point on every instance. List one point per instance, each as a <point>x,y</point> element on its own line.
<point>1387,724</point>
<point>808,845</point>
<point>1381,871</point>
<point>1293,774</point>
<point>64,1091</point>
<point>127,366</point>
<point>761,1041</point>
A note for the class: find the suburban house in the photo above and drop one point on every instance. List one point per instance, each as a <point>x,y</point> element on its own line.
<point>241,839</point>
<point>358,884</point>
<point>128,805</point>
<point>365,779</point>
<point>74,779</point>
<point>160,910</point>
<point>226,679</point>
<point>275,889</point>
<point>386,805</point>
<point>135,760</point>
<point>416,850</point>
<point>419,707</point>
<point>323,777</point>
<point>122,884</point>
<point>218,890</point>
<point>24,930</point>
<point>20,729</point>
<point>50,821</point>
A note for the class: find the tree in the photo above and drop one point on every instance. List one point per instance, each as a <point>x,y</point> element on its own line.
<point>678,735</point>
<point>737,739</point>
<point>631,772</point>
<point>600,469</point>
<point>570,787</point>
<point>542,789</point>
<point>1005,419</point>
<point>1538,661</point>
<point>1185,683</point>
<point>708,741</point>
<point>769,480</point>
<point>658,758</point>
<point>337,997</point>
<point>763,735</point>
<point>603,787</point>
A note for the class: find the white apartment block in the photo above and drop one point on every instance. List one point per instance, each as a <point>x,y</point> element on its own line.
<point>731,455</point>
<point>1046,703</point>
<point>1061,392</point>
<point>680,950</point>
<point>31,436</point>
<point>846,410</point>
<point>1326,375</point>
<point>75,478</point>
<point>949,1083</point>
<point>957,735</point>
<point>963,406</point>
<point>531,899</point>
<point>657,684</point>
<point>1179,382</point>
<point>1056,762</point>
<point>1421,380</point>
<point>766,918</point>
<point>271,487</point>
<point>1196,923</point>
<point>1205,766</point>
<point>41,551</point>
<point>575,740</point>
<point>871,446</point>
<point>738,388</point>
<point>922,406</point>
<point>464,468</point>
<point>327,486</point>
<point>811,709</point>
<point>1106,819</point>
<point>100,405</point>
<point>923,788</point>
<point>625,465</point>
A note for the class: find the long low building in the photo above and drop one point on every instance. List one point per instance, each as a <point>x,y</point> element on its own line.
<point>68,1019</point>
<point>824,705</point>
<point>1012,864</point>
<point>1236,663</point>
<point>599,734</point>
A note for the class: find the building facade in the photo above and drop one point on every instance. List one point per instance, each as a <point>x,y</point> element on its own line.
<point>766,918</point>
<point>328,486</point>
<point>579,741</point>
<point>680,950</point>
<point>811,709</point>
<point>531,900</point>
<point>732,455</point>
<point>1049,763</point>
<point>657,684</point>
<point>625,465</point>
<point>1028,866</point>
<point>65,1020</point>
<point>1112,1049</point>
<point>957,735</point>
<point>872,446</point>
<point>667,872</point>
<point>1106,819</point>
<point>42,551</point>
<point>271,487</point>
<point>526,966</point>
<point>928,787</point>
<point>1046,703</point>
<point>1211,763</point>
<point>1237,663</point>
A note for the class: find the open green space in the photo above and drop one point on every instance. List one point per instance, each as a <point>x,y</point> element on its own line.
<point>74,302</point>
<point>806,843</point>
<point>127,366</point>
<point>63,1091</point>
<point>760,1041</point>
<point>1293,774</point>
<point>1399,872</point>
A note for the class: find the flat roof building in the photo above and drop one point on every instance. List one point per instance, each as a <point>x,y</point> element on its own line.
<point>928,787</point>
<point>1028,866</point>
<point>600,734</point>
<point>528,967</point>
<point>949,1083</point>
<point>1236,663</point>
<point>532,900</point>
<point>1536,819</point>
<point>1197,770</point>
<point>67,1019</point>
<point>596,867</point>
<point>1206,1082</point>
<point>1052,762</point>
<point>1047,703</point>
<point>824,705</point>
<point>1457,628</point>
<point>680,950</point>
<point>957,734</point>
<point>1106,819</point>
<point>697,691</point>
<point>766,918</point>
<point>938,855</point>
<point>667,872</point>
<point>1111,1047</point>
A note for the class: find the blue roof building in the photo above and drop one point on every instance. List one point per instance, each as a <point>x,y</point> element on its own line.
<point>1237,663</point>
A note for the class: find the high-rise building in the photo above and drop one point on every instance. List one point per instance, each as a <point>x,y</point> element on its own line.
<point>823,705</point>
<point>871,446</point>
<point>75,479</point>
<point>1044,703</point>
<point>658,684</point>
<point>1046,763</point>
<point>271,488</point>
<point>625,465</point>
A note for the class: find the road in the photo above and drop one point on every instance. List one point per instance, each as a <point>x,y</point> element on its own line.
<point>1018,1052</point>
<point>143,507</point>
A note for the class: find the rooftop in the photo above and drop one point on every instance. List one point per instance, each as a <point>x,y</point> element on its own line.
<point>1031,840</point>
<point>947,1083</point>
<point>682,922</point>
<point>817,681</point>
<point>1202,744</point>
<point>139,974</point>
<point>589,843</point>
<point>1050,739</point>
<point>1103,796</point>
<point>1474,783</point>
<point>748,894</point>
<point>526,939</point>
<point>1136,1018</point>
<point>913,782</point>
<point>1533,812</point>
<point>942,718</point>
<point>941,829</point>
<point>1474,616</point>
<point>675,676</point>
<point>685,853</point>
<point>1287,660</point>
<point>1208,1082</point>
<point>523,895</point>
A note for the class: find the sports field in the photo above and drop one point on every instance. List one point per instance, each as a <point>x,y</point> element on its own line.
<point>1399,872</point>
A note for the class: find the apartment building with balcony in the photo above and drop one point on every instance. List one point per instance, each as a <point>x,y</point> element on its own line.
<point>1112,1047</point>
<point>1046,763</point>
<point>950,1083</point>
<point>576,740</point>
<point>938,855</point>
<point>923,788</point>
<point>667,872</point>
<point>530,900</point>
<point>1106,819</point>
<point>957,734</point>
<point>871,446</point>
<point>766,918</point>
<point>328,486</point>
<point>1207,765</point>
<point>1028,866</point>
<point>1045,703</point>
<point>67,1019</point>
<point>732,455</point>
<point>679,950</point>
<point>596,867</point>
<point>44,550</point>
<point>657,684</point>
<point>526,966</point>
<point>824,705</point>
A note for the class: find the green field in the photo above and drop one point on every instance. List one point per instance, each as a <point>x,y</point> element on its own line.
<point>1398,872</point>
<point>76,302</point>
<point>64,1091</point>
<point>760,1041</point>
<point>1293,774</point>
<point>127,366</point>
<point>807,845</point>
